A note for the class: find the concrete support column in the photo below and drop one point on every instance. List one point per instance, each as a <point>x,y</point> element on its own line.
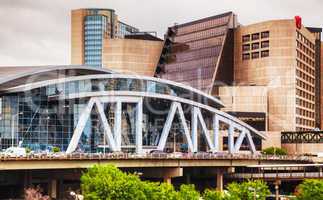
<point>27,179</point>
<point>277,183</point>
<point>219,181</point>
<point>60,188</point>
<point>52,188</point>
<point>168,180</point>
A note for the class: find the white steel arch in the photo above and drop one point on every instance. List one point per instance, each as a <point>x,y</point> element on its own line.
<point>114,138</point>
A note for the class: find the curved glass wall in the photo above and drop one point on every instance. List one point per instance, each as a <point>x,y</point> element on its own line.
<point>44,117</point>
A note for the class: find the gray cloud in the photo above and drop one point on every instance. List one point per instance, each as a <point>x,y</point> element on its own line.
<point>37,32</point>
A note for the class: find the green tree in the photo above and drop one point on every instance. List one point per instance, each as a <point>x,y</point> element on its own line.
<point>248,190</point>
<point>108,182</point>
<point>310,189</point>
<point>188,192</point>
<point>213,195</point>
<point>274,151</point>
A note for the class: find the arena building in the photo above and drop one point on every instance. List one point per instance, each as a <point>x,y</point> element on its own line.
<point>85,109</point>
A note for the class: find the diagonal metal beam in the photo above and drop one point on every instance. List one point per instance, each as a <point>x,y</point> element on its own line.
<point>167,126</point>
<point>186,130</point>
<point>106,126</point>
<point>204,128</point>
<point>239,141</point>
<point>80,127</point>
<point>251,143</point>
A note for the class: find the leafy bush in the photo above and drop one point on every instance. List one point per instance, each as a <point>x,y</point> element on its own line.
<point>248,190</point>
<point>28,150</point>
<point>275,151</point>
<point>213,195</point>
<point>310,189</point>
<point>56,149</point>
<point>108,182</point>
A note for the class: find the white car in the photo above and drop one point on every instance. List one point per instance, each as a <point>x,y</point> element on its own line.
<point>15,152</point>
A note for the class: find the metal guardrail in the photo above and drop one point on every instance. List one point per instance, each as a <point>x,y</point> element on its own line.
<point>152,156</point>
<point>291,175</point>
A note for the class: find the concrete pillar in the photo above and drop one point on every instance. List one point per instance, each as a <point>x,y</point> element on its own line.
<point>219,181</point>
<point>168,180</point>
<point>277,183</point>
<point>52,189</point>
<point>60,188</point>
<point>188,179</point>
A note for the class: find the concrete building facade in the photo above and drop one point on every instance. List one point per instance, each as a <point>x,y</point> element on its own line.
<point>269,70</point>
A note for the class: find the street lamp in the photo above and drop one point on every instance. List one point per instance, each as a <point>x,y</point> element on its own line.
<point>254,190</point>
<point>13,118</point>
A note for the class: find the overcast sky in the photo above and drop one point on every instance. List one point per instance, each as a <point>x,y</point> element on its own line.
<point>37,32</point>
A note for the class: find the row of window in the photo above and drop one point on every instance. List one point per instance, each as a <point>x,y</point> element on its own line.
<point>256,45</point>
<point>181,67</point>
<point>305,77</point>
<point>205,43</point>
<point>305,95</point>
<point>302,38</point>
<point>306,68</point>
<point>305,113</point>
<point>305,104</point>
<point>305,86</point>
<point>305,50</point>
<point>201,35</point>
<point>305,58</point>
<point>255,55</point>
<point>203,25</point>
<point>305,122</point>
<point>198,54</point>
<point>255,36</point>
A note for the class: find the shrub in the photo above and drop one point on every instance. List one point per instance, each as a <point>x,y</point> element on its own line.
<point>213,195</point>
<point>56,149</point>
<point>310,189</point>
<point>274,151</point>
<point>248,190</point>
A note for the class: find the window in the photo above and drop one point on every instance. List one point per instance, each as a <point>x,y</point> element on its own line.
<point>246,38</point>
<point>265,44</point>
<point>255,45</point>
<point>255,55</point>
<point>265,53</point>
<point>246,47</point>
<point>265,34</point>
<point>246,56</point>
<point>255,36</point>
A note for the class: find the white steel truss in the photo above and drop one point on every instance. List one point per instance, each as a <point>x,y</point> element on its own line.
<point>114,139</point>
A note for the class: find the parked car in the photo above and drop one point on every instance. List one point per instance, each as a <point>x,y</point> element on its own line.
<point>15,152</point>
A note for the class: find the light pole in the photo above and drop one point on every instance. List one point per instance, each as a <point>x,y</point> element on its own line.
<point>254,190</point>
<point>13,118</point>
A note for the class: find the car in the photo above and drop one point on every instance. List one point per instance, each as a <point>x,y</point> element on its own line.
<point>15,152</point>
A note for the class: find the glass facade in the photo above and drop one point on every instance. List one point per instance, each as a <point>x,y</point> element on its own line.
<point>192,51</point>
<point>94,29</point>
<point>125,29</point>
<point>99,25</point>
<point>45,117</point>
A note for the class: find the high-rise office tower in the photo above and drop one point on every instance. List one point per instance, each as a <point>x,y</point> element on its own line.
<point>100,39</point>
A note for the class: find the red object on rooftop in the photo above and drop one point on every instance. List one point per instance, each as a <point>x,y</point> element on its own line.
<point>298,21</point>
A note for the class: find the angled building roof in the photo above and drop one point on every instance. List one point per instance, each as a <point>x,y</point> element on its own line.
<point>199,53</point>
